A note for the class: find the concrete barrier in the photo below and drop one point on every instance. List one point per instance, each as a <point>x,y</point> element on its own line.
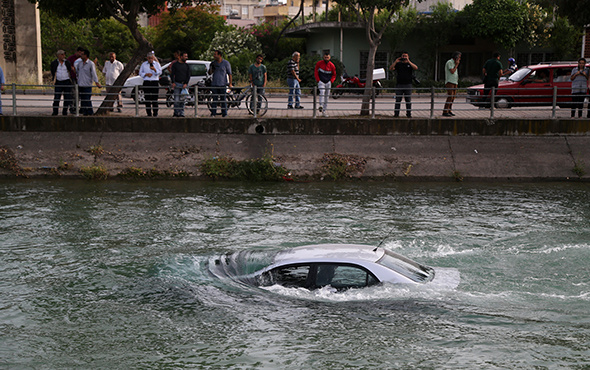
<point>401,150</point>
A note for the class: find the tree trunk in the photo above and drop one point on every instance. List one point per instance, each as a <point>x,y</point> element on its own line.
<point>374,40</point>
<point>144,47</point>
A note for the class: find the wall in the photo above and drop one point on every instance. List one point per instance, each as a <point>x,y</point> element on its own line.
<point>398,150</point>
<point>20,46</point>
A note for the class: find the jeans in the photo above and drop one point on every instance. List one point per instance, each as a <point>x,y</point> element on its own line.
<point>85,93</point>
<point>259,92</point>
<point>405,91</point>
<point>578,102</point>
<point>219,95</point>
<point>62,88</point>
<point>294,89</point>
<point>451,92</point>
<point>178,102</point>
<point>324,88</point>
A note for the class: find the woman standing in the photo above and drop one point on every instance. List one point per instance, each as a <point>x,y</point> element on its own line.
<point>150,71</point>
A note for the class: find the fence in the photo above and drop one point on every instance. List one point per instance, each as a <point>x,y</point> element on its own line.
<point>426,103</point>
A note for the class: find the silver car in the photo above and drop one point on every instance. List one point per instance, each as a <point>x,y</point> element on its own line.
<point>340,266</point>
<point>198,70</point>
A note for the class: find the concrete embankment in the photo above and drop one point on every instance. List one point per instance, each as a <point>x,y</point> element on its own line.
<point>399,149</point>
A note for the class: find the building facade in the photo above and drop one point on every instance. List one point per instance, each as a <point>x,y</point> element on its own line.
<point>20,48</point>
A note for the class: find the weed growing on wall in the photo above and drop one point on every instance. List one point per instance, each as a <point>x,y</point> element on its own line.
<point>135,173</point>
<point>8,162</point>
<point>340,166</point>
<point>95,172</point>
<point>262,169</point>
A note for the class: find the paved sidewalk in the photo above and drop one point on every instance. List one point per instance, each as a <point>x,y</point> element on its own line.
<point>40,104</point>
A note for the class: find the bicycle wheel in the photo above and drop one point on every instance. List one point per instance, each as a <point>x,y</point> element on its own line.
<point>262,105</point>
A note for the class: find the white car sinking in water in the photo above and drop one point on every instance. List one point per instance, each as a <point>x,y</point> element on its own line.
<point>340,266</point>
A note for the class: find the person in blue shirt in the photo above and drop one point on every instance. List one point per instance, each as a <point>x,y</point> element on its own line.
<point>220,69</point>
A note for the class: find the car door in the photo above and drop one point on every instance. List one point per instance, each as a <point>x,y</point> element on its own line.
<point>562,80</point>
<point>342,276</point>
<point>536,88</point>
<point>291,276</point>
<point>198,72</point>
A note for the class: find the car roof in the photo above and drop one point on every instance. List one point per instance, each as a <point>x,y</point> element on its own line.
<point>553,65</point>
<point>330,252</point>
<point>190,61</point>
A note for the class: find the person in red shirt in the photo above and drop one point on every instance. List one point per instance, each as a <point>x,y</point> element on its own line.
<point>325,75</point>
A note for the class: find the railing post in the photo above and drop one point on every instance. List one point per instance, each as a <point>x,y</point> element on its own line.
<point>196,100</point>
<point>553,111</point>
<point>13,99</point>
<point>76,101</point>
<point>373,99</point>
<point>135,91</point>
<point>315,96</point>
<point>431,102</point>
<point>492,102</point>
<point>255,102</point>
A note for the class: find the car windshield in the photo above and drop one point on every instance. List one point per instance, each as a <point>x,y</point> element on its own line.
<point>519,75</point>
<point>408,268</point>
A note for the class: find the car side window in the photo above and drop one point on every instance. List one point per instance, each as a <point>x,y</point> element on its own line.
<point>198,69</point>
<point>539,76</point>
<point>343,276</point>
<point>290,276</point>
<point>562,74</point>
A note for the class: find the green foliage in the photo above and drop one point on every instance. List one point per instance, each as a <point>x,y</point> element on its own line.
<point>577,11</point>
<point>505,22</point>
<point>565,39</point>
<point>232,42</point>
<point>340,166</point>
<point>135,173</point>
<point>9,162</point>
<point>187,29</point>
<point>307,63</point>
<point>262,169</point>
<point>403,24</point>
<point>99,36</point>
<point>267,34</point>
<point>95,172</point>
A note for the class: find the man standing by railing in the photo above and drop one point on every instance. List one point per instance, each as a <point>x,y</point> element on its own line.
<point>86,72</point>
<point>325,75</point>
<point>294,82</point>
<point>258,77</point>
<point>60,73</point>
<point>2,82</point>
<point>180,75</point>
<point>451,82</point>
<point>112,69</point>
<point>492,71</point>
<point>220,69</point>
<point>404,69</point>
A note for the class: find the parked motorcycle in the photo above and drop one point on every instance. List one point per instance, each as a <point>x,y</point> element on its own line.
<point>353,85</point>
<point>203,93</point>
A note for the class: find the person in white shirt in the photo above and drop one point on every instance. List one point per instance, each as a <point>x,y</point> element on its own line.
<point>150,71</point>
<point>60,73</point>
<point>112,69</point>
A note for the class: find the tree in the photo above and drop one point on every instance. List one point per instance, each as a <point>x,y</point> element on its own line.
<point>506,22</point>
<point>187,29</point>
<point>124,11</point>
<point>577,11</point>
<point>565,39</point>
<point>367,10</point>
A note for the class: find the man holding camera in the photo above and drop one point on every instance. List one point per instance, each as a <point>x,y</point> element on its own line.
<point>404,69</point>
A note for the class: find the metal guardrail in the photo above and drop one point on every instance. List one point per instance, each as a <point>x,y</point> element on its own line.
<point>425,102</point>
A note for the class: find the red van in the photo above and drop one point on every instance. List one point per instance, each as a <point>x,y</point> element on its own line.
<point>530,86</point>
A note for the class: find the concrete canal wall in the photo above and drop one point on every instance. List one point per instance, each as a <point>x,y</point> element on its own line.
<point>397,150</point>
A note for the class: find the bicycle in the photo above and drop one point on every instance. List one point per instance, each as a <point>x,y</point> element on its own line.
<point>234,97</point>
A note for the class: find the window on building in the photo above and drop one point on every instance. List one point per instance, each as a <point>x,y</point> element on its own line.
<point>381,61</point>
